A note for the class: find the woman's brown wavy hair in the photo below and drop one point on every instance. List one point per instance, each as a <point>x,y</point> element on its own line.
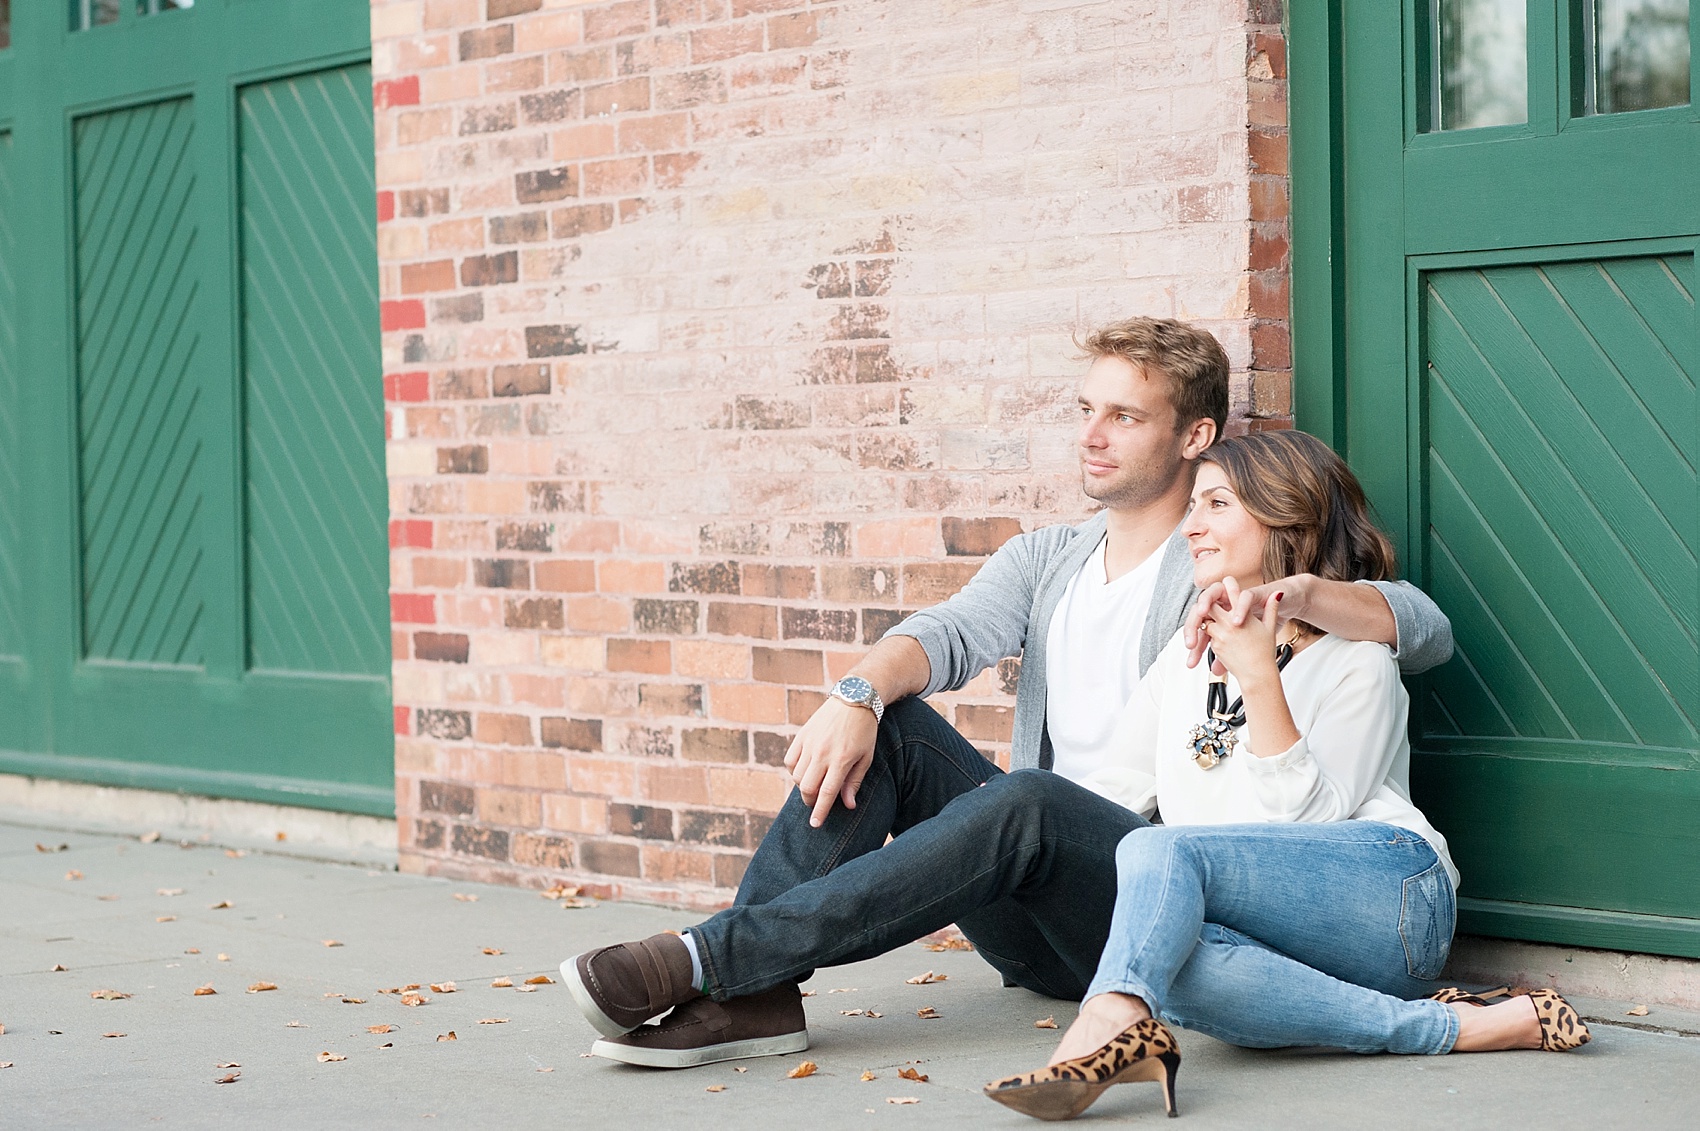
<point>1313,506</point>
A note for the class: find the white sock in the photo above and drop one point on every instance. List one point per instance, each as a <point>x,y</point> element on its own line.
<point>690,942</point>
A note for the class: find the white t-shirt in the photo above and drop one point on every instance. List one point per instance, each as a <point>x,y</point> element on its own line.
<point>1092,660</point>
<point>1352,760</point>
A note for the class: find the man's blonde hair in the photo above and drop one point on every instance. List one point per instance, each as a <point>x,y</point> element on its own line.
<point>1191,360</point>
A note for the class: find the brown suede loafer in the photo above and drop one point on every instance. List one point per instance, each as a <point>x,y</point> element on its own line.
<point>619,987</point>
<point>703,1031</point>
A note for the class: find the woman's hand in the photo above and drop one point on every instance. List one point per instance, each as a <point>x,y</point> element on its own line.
<point>1244,643</point>
<point>1247,651</point>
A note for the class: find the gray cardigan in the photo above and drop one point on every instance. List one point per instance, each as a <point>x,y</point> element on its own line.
<point>1006,609</point>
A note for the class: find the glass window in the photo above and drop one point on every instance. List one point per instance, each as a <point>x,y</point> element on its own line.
<point>152,7</point>
<point>1636,52</point>
<point>1480,71</point>
<point>93,13</point>
<point>5,24</point>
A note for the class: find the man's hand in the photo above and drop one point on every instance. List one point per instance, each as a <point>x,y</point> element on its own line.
<point>1244,645</point>
<point>1218,603</point>
<point>830,756</point>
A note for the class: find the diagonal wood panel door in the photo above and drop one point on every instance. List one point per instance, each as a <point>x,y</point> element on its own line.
<point>199,549</point>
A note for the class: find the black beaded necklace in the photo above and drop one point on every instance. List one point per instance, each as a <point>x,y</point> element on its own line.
<point>1214,738</point>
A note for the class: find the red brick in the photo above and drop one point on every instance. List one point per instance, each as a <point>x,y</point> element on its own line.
<point>507,730</point>
<point>413,608</point>
<point>402,314</point>
<point>386,207</point>
<point>438,275</point>
<point>787,665</point>
<point>405,387</point>
<point>566,576</point>
<point>396,92</point>
<point>653,657</point>
<point>728,619</point>
<point>977,537</point>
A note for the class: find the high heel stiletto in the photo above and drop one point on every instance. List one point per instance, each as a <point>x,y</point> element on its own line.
<point>1562,1028</point>
<point>1145,1051</point>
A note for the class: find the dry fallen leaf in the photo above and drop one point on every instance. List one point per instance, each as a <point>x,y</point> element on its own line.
<point>327,1057</point>
<point>281,835</point>
<point>740,1068</point>
<point>230,1079</point>
<point>354,1001</point>
<point>1046,1023</point>
<point>576,904</point>
<point>108,995</point>
<point>293,1025</point>
<point>410,986</point>
<point>502,984</point>
<point>5,1064</point>
<point>58,968</point>
<point>205,991</point>
<point>387,1045</point>
<point>551,1069</point>
<point>911,1074</point>
<point>560,891</point>
<point>115,1034</point>
<point>443,987</point>
<point>957,943</point>
<point>927,979</point>
<point>540,980</point>
<point>843,990</point>
<point>39,847</point>
<point>223,957</point>
<point>1638,1011</point>
<point>901,1100</point>
<point>715,1088</point>
<point>807,1068</point>
<point>808,993</point>
<point>867,1074</point>
<point>410,998</point>
<point>525,989</point>
<point>492,950</point>
<point>149,837</point>
<point>228,1064</point>
<point>262,987</point>
<point>192,950</point>
<point>380,1028</point>
<point>860,1013</point>
<point>466,897</point>
<point>107,898</point>
<point>220,905</point>
<point>73,874</point>
<point>448,1036</point>
<point>168,891</point>
<point>331,942</point>
<point>165,918</point>
<point>492,1020</point>
<point>236,853</point>
<point>927,1013</point>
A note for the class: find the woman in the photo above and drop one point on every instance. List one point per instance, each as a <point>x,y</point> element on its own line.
<point>1294,895</point>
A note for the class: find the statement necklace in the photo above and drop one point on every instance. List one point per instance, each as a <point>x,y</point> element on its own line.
<point>1214,738</point>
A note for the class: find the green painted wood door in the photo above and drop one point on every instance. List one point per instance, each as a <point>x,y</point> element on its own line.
<point>193,564</point>
<point>1496,259</point>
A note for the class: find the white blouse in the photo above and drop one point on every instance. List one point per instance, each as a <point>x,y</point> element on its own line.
<point>1352,760</point>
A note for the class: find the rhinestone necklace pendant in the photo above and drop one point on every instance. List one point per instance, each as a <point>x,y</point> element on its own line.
<point>1212,741</point>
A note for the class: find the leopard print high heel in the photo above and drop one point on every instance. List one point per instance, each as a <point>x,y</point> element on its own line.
<point>1562,1028</point>
<point>1144,1051</point>
<point>1453,994</point>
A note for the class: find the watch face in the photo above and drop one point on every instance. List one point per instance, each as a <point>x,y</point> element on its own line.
<point>855,688</point>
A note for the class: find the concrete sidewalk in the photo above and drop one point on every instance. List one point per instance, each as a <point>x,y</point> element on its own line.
<point>231,921</point>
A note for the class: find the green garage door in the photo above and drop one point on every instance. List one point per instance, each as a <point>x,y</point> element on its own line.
<point>1496,257</point>
<point>193,567</point>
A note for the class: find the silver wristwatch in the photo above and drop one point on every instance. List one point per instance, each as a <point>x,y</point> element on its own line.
<point>858,692</point>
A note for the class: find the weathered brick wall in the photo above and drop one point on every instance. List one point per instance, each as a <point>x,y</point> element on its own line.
<point>718,333</point>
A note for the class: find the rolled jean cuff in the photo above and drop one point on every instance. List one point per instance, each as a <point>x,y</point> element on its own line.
<point>1133,987</point>
<point>1449,1035</point>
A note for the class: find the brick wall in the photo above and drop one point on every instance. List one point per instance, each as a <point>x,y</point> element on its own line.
<point>719,333</point>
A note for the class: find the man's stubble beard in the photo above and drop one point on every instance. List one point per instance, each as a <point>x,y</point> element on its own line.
<point>1135,487</point>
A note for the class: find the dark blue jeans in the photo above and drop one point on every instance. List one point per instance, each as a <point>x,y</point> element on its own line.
<point>1023,863</point>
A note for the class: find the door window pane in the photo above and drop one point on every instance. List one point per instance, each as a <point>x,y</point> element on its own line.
<point>152,7</point>
<point>93,13</point>
<point>1481,63</point>
<point>1637,54</point>
<point>5,24</point>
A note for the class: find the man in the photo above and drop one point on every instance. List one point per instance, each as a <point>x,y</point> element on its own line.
<point>1025,866</point>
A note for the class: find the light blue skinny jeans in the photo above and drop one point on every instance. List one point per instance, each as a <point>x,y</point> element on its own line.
<point>1268,936</point>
